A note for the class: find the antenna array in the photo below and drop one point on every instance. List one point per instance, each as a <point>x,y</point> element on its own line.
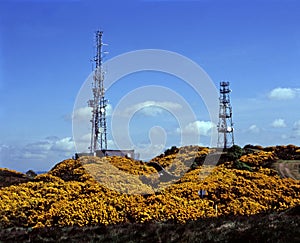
<point>98,103</point>
<point>225,126</point>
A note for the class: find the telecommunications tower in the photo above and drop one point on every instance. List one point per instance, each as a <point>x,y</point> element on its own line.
<point>225,126</point>
<point>98,103</point>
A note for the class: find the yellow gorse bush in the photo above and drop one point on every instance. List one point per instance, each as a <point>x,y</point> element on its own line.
<point>179,163</point>
<point>69,195</point>
<point>260,158</point>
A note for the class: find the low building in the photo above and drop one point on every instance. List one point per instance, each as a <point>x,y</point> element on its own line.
<point>128,153</point>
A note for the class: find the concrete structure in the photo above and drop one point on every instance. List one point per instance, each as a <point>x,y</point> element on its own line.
<point>129,153</point>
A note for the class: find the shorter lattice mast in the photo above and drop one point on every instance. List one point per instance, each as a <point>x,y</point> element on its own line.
<point>98,103</point>
<point>225,126</point>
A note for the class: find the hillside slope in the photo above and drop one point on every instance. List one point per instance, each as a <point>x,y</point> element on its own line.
<point>127,195</point>
<point>275,227</point>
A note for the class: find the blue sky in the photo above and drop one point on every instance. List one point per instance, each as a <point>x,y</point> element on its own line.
<point>46,47</point>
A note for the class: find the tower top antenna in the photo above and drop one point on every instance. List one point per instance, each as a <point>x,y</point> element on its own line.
<point>225,125</point>
<point>98,103</point>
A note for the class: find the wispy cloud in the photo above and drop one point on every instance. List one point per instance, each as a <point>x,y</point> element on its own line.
<point>149,151</point>
<point>82,114</point>
<point>47,148</point>
<point>278,123</point>
<point>197,127</point>
<point>152,108</point>
<point>254,129</point>
<point>63,145</point>
<point>283,93</point>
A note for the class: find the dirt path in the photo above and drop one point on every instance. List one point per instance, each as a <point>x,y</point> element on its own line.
<point>288,168</point>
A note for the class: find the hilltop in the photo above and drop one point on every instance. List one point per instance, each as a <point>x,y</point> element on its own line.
<point>125,194</point>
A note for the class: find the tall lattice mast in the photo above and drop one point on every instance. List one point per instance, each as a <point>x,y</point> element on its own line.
<point>98,103</point>
<point>225,126</point>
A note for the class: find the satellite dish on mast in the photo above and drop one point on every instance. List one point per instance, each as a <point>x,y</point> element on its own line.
<point>229,129</point>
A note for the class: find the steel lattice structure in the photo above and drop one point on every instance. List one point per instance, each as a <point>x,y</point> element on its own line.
<point>225,126</point>
<point>98,103</point>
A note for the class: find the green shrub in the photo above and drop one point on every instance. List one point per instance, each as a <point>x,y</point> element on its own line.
<point>234,153</point>
<point>242,166</point>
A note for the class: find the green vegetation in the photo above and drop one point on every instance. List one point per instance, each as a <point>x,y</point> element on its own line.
<point>234,152</point>
<point>92,193</point>
<point>242,166</point>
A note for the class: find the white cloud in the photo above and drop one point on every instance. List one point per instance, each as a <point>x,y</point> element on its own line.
<point>38,147</point>
<point>278,123</point>
<point>64,144</point>
<point>283,93</point>
<point>254,129</point>
<point>34,156</point>
<point>152,108</point>
<point>149,151</point>
<point>49,147</point>
<point>297,124</point>
<point>3,147</point>
<point>82,114</point>
<point>38,155</point>
<point>197,127</point>
<point>109,110</point>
